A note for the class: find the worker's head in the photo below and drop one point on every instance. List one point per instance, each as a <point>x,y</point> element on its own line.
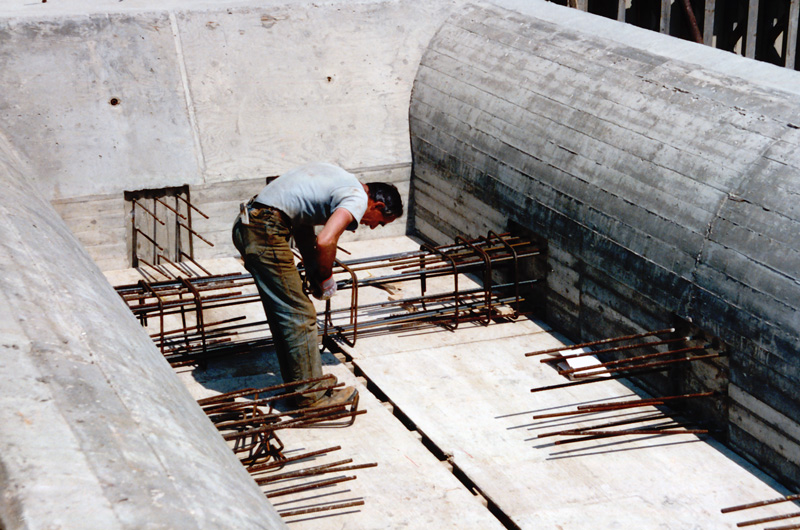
<point>384,205</point>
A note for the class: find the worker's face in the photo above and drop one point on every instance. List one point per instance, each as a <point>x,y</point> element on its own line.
<point>374,216</point>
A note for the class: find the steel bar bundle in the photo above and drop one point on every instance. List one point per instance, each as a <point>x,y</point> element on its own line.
<point>249,419</point>
<point>480,256</point>
<point>604,430</point>
<point>626,366</point>
<point>186,331</point>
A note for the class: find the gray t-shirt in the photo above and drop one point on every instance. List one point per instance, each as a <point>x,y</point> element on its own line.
<point>310,193</point>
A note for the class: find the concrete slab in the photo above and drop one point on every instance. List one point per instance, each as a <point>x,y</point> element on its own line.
<point>467,394</point>
<point>468,391</point>
<point>409,487</point>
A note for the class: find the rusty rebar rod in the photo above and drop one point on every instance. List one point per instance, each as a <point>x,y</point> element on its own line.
<point>615,349</point>
<point>288,460</point>
<point>692,22</point>
<point>170,208</point>
<point>272,416</point>
<point>598,342</point>
<point>147,210</point>
<point>787,498</point>
<point>781,517</point>
<point>632,372</point>
<point>308,487</point>
<point>649,365</point>
<point>629,421</point>
<point>162,257</point>
<point>326,414</point>
<point>190,205</point>
<point>196,234</point>
<point>634,359</point>
<point>660,399</point>
<point>247,391</point>
<point>147,237</point>
<point>317,509</point>
<point>313,472</point>
<point>194,326</point>
<point>157,269</point>
<point>784,527</point>
<point>310,471</point>
<point>191,259</point>
<point>595,410</point>
<point>640,432</point>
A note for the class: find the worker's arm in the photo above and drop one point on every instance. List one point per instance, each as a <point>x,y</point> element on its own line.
<point>327,240</point>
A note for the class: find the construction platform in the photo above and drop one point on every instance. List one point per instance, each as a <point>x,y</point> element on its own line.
<point>449,439</point>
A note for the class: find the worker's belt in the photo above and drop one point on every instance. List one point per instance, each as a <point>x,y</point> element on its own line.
<point>252,204</point>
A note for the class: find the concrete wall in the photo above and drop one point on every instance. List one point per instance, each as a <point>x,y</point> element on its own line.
<point>106,97</point>
<point>96,432</point>
<point>664,175</point>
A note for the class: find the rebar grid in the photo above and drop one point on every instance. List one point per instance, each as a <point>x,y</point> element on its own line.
<point>180,307</point>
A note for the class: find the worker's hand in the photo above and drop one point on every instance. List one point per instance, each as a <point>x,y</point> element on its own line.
<point>326,289</point>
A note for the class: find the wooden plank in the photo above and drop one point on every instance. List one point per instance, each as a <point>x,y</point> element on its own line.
<point>791,34</point>
<point>752,27</point>
<point>582,5</point>
<point>708,23</point>
<point>666,8</point>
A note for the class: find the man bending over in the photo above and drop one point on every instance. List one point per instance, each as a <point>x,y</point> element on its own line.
<point>311,195</point>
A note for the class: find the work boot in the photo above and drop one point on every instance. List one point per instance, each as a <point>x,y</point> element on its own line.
<point>333,398</point>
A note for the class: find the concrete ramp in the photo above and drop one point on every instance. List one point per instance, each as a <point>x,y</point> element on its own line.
<point>96,431</point>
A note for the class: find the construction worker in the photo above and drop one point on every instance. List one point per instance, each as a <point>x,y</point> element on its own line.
<point>291,206</point>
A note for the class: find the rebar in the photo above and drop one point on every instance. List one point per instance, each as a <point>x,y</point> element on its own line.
<point>626,360</point>
<point>788,498</point>
<point>189,342</point>
<point>606,425</point>
<point>307,487</point>
<point>634,371</point>
<point>659,399</point>
<point>590,435</point>
<point>769,519</point>
<point>614,349</point>
<point>601,341</point>
<point>317,509</point>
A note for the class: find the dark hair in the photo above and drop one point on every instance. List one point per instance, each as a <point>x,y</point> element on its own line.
<point>388,195</point>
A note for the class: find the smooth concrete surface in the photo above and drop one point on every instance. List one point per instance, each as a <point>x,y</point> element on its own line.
<point>468,392</point>
<point>96,432</point>
<point>111,96</point>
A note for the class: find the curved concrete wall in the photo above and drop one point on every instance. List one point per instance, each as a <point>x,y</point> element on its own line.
<point>96,432</point>
<point>664,185</point>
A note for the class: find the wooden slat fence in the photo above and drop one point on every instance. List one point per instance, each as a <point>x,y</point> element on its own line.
<point>765,30</point>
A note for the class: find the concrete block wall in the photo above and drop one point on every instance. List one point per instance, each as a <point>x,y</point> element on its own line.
<point>664,176</point>
<point>105,97</point>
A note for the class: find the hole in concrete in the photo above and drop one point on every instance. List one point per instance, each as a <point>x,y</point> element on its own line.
<point>114,102</point>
